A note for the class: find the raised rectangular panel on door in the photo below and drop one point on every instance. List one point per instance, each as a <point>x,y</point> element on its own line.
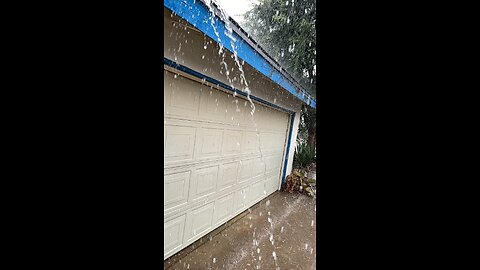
<point>256,191</point>
<point>181,97</point>
<point>271,141</point>
<point>250,142</point>
<point>204,182</point>
<point>232,142</point>
<point>213,105</point>
<point>250,117</point>
<point>235,111</point>
<point>273,162</point>
<point>228,176</point>
<point>271,183</point>
<point>259,166</point>
<point>260,117</point>
<point>209,143</point>
<point>179,143</point>
<point>173,231</point>
<point>247,170</point>
<point>241,201</point>
<point>223,208</point>
<point>175,192</point>
<point>199,221</point>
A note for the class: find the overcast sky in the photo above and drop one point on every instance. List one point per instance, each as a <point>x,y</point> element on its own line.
<point>236,8</point>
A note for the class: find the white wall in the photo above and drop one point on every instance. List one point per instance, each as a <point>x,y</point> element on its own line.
<point>293,142</point>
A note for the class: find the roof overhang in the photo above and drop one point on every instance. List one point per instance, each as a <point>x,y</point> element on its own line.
<point>198,14</point>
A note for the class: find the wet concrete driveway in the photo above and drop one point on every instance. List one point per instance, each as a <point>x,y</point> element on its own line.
<point>277,233</point>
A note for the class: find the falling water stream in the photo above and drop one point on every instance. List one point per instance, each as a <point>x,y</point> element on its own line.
<point>222,52</point>
<point>246,89</point>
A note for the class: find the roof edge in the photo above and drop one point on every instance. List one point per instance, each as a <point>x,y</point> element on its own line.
<point>197,13</point>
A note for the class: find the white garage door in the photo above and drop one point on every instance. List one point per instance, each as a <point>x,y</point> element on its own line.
<point>214,167</point>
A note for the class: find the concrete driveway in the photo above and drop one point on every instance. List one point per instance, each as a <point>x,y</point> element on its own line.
<point>277,233</point>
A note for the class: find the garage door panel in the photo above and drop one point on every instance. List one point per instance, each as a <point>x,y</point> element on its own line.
<point>235,114</point>
<point>273,162</point>
<point>232,142</point>
<point>259,168</point>
<point>272,141</point>
<point>261,117</point>
<point>213,104</point>
<point>247,171</point>
<point>250,142</point>
<point>256,191</point>
<point>241,199</point>
<point>223,208</point>
<point>278,121</point>
<point>251,168</point>
<point>205,182</point>
<point>176,188</point>
<point>271,183</point>
<point>209,141</point>
<point>179,143</point>
<point>173,234</point>
<point>181,98</point>
<point>199,221</point>
<point>229,175</point>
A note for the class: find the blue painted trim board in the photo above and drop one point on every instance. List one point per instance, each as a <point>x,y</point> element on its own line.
<point>197,13</point>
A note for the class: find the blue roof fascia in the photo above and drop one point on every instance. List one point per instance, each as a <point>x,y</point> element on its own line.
<point>197,13</point>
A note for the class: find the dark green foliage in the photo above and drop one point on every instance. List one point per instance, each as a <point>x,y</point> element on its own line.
<point>307,126</point>
<point>304,156</point>
<point>277,26</point>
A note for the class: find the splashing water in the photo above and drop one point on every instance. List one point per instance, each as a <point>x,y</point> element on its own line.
<point>244,83</point>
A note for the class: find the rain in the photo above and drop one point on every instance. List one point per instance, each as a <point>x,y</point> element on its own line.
<point>285,32</point>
